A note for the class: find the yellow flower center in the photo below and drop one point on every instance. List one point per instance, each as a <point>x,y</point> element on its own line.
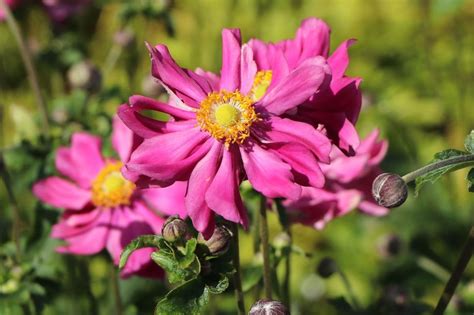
<point>227,116</point>
<point>110,188</point>
<point>260,84</point>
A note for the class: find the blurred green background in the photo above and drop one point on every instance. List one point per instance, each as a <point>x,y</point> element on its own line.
<point>416,59</point>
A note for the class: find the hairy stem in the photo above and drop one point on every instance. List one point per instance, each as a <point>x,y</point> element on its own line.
<point>267,274</point>
<point>463,160</point>
<point>455,278</point>
<point>239,295</point>
<point>16,227</point>
<point>27,60</point>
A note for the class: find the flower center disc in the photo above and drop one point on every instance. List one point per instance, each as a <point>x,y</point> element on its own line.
<point>227,116</point>
<point>110,188</point>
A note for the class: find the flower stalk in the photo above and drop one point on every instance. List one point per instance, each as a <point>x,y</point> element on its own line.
<point>267,276</point>
<point>27,60</point>
<point>456,275</point>
<point>114,282</point>
<point>239,294</point>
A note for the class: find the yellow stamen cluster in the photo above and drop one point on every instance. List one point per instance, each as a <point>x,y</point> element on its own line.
<point>110,188</point>
<point>227,116</point>
<point>260,84</point>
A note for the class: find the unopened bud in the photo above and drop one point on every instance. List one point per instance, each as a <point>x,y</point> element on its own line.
<point>389,190</point>
<point>220,240</point>
<point>124,38</point>
<point>327,267</point>
<point>269,307</point>
<point>174,229</point>
<point>85,76</point>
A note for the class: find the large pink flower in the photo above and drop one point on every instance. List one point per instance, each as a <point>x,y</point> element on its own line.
<point>61,10</point>
<point>336,105</point>
<point>102,208</point>
<point>348,186</point>
<point>223,130</point>
<point>11,4</point>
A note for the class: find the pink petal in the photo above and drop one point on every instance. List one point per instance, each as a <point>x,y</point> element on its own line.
<point>213,79</point>
<point>223,195</point>
<point>199,182</point>
<point>375,149</point>
<point>81,218</point>
<point>143,212</point>
<point>268,174</point>
<point>372,208</point>
<point>295,88</point>
<point>140,264</point>
<point>61,193</point>
<point>66,166</point>
<point>139,102</point>
<point>339,60</point>
<point>230,72</point>
<point>122,139</point>
<point>248,70</point>
<point>168,200</point>
<point>86,156</point>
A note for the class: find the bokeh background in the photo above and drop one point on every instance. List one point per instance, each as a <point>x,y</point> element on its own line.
<point>417,62</point>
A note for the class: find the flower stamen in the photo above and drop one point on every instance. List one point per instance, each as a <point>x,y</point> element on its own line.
<point>110,188</point>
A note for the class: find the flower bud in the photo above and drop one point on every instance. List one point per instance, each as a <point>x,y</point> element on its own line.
<point>389,190</point>
<point>84,75</point>
<point>269,307</point>
<point>327,267</point>
<point>174,229</point>
<point>220,240</point>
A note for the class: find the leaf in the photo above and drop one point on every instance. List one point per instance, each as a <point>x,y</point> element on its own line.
<point>436,174</point>
<point>251,276</point>
<point>470,180</point>
<point>469,142</point>
<point>175,272</point>
<point>189,256</point>
<point>188,298</point>
<point>140,242</point>
<point>218,285</point>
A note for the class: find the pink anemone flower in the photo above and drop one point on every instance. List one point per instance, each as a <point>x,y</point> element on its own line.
<point>11,4</point>
<point>336,105</point>
<point>60,10</point>
<point>103,210</point>
<point>226,129</point>
<point>348,186</point>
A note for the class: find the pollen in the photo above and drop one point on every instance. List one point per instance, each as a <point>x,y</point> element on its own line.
<point>260,84</point>
<point>227,116</point>
<point>110,188</point>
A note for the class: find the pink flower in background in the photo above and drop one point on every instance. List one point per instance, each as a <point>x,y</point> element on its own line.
<point>336,105</point>
<point>223,130</point>
<point>11,4</point>
<point>61,10</point>
<point>348,186</point>
<point>103,210</point>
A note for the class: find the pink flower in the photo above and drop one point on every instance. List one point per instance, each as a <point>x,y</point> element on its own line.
<point>348,186</point>
<point>103,210</point>
<point>61,10</point>
<point>11,4</point>
<point>223,130</point>
<point>336,105</point>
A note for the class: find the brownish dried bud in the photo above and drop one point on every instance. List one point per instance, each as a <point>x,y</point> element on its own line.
<point>269,307</point>
<point>327,267</point>
<point>220,240</point>
<point>174,229</point>
<point>389,190</point>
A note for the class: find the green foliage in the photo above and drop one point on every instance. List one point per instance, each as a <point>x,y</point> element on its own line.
<point>469,142</point>
<point>470,180</point>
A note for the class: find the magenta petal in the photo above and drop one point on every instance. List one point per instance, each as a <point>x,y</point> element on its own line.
<point>288,131</point>
<point>230,72</point>
<point>295,88</point>
<point>223,195</point>
<point>146,213</point>
<point>199,181</point>
<point>122,139</point>
<point>86,155</point>
<point>168,200</point>
<point>178,80</point>
<point>61,193</point>
<point>66,166</point>
<point>139,102</point>
<point>372,208</point>
<point>268,174</point>
<point>213,79</point>
<point>248,70</point>
<point>92,241</point>
<point>339,60</point>
<point>375,149</point>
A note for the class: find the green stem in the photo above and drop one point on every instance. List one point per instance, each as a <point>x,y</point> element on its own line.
<point>239,294</point>
<point>16,227</point>
<point>114,282</point>
<point>463,160</point>
<point>286,297</point>
<point>267,274</point>
<point>348,286</point>
<point>27,60</point>
<point>456,275</point>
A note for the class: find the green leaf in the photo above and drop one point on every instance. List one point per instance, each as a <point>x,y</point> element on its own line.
<point>251,276</point>
<point>189,256</point>
<point>171,265</point>
<point>469,142</point>
<point>219,285</point>
<point>470,180</point>
<point>139,242</point>
<point>436,174</point>
<point>188,298</point>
